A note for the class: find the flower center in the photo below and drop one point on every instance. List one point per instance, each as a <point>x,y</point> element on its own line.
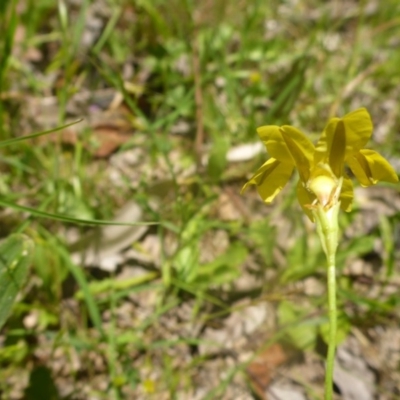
<point>324,188</point>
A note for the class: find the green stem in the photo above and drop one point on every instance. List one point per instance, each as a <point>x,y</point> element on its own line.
<point>328,230</point>
<point>332,327</point>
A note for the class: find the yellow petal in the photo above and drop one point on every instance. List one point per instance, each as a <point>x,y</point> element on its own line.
<point>303,142</point>
<point>270,179</point>
<point>301,149</point>
<point>276,146</point>
<point>337,149</point>
<point>305,199</point>
<point>346,194</point>
<point>358,129</point>
<point>325,142</point>
<point>369,167</point>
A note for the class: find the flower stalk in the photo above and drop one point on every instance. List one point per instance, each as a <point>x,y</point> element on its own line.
<point>328,231</point>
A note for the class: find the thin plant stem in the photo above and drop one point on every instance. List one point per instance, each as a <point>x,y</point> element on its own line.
<point>330,360</point>
<point>328,231</point>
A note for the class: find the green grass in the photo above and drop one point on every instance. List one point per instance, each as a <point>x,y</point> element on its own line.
<point>257,63</point>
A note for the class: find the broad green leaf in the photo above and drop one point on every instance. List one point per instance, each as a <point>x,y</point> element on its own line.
<point>15,256</point>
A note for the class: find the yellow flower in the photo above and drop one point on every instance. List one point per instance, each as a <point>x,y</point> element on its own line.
<point>323,179</point>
